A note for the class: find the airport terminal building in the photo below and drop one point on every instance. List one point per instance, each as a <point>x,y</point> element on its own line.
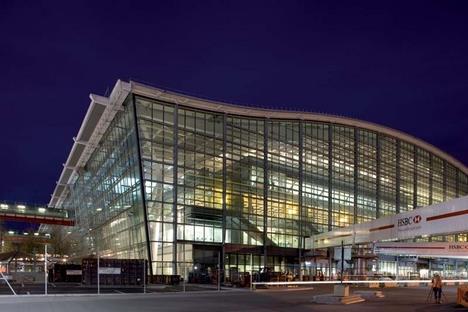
<point>178,180</point>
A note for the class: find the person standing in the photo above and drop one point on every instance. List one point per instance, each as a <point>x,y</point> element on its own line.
<point>437,287</point>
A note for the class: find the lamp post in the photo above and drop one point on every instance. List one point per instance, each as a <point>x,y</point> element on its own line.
<point>98,273</point>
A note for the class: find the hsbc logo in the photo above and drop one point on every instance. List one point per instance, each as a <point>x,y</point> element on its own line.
<point>409,220</point>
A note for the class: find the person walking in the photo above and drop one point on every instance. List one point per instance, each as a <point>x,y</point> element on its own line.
<point>437,287</point>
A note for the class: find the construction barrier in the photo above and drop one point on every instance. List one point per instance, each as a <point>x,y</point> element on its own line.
<point>462,296</point>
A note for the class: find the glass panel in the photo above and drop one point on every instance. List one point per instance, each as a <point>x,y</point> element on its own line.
<point>342,176</point>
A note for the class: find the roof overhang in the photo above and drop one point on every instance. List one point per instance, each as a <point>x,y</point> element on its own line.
<point>100,114</point>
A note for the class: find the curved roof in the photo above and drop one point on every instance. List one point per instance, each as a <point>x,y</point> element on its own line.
<point>247,111</point>
<point>103,109</point>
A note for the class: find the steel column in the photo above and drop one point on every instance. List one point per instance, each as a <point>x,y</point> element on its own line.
<point>415,177</point>
<point>378,173</point>
<point>301,181</point>
<point>431,170</point>
<point>265,189</point>
<point>398,176</point>
<point>330,172</point>
<point>142,186</point>
<point>444,183</point>
<point>356,174</point>
<point>224,190</point>
<point>175,169</point>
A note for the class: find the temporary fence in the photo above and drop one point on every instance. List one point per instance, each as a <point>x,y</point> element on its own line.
<point>113,272</point>
<point>65,273</point>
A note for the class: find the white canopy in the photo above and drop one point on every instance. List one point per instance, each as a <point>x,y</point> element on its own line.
<point>439,219</point>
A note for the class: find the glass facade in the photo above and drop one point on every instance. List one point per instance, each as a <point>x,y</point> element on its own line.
<point>180,185</point>
<point>106,197</point>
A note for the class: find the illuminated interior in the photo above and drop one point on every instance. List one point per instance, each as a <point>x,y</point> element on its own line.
<point>168,180</point>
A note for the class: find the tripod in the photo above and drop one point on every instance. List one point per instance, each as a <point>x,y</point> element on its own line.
<point>443,298</point>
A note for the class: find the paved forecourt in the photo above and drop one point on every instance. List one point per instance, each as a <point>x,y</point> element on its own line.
<point>291,300</point>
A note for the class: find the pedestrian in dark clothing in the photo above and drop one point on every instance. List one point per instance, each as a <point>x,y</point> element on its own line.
<point>437,287</point>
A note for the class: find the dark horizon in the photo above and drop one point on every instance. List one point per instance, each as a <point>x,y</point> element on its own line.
<point>402,65</point>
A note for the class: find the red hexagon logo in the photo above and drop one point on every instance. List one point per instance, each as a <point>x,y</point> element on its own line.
<point>417,219</point>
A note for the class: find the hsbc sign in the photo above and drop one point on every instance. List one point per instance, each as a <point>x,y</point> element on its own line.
<point>409,220</point>
<point>409,223</point>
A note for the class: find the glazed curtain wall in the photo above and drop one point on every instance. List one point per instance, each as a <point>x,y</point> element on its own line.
<point>211,178</point>
<point>107,197</point>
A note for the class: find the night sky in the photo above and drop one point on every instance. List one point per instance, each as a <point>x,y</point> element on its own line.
<point>400,64</point>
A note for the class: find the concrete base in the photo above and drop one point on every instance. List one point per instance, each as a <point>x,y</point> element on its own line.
<point>341,290</point>
<point>412,284</point>
<point>340,296</point>
<point>332,299</point>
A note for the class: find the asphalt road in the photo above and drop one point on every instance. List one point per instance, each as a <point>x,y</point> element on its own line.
<point>396,299</point>
<point>76,288</point>
<point>65,288</point>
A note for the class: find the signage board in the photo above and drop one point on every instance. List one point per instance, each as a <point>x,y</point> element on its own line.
<point>73,272</point>
<point>441,249</point>
<point>109,270</point>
